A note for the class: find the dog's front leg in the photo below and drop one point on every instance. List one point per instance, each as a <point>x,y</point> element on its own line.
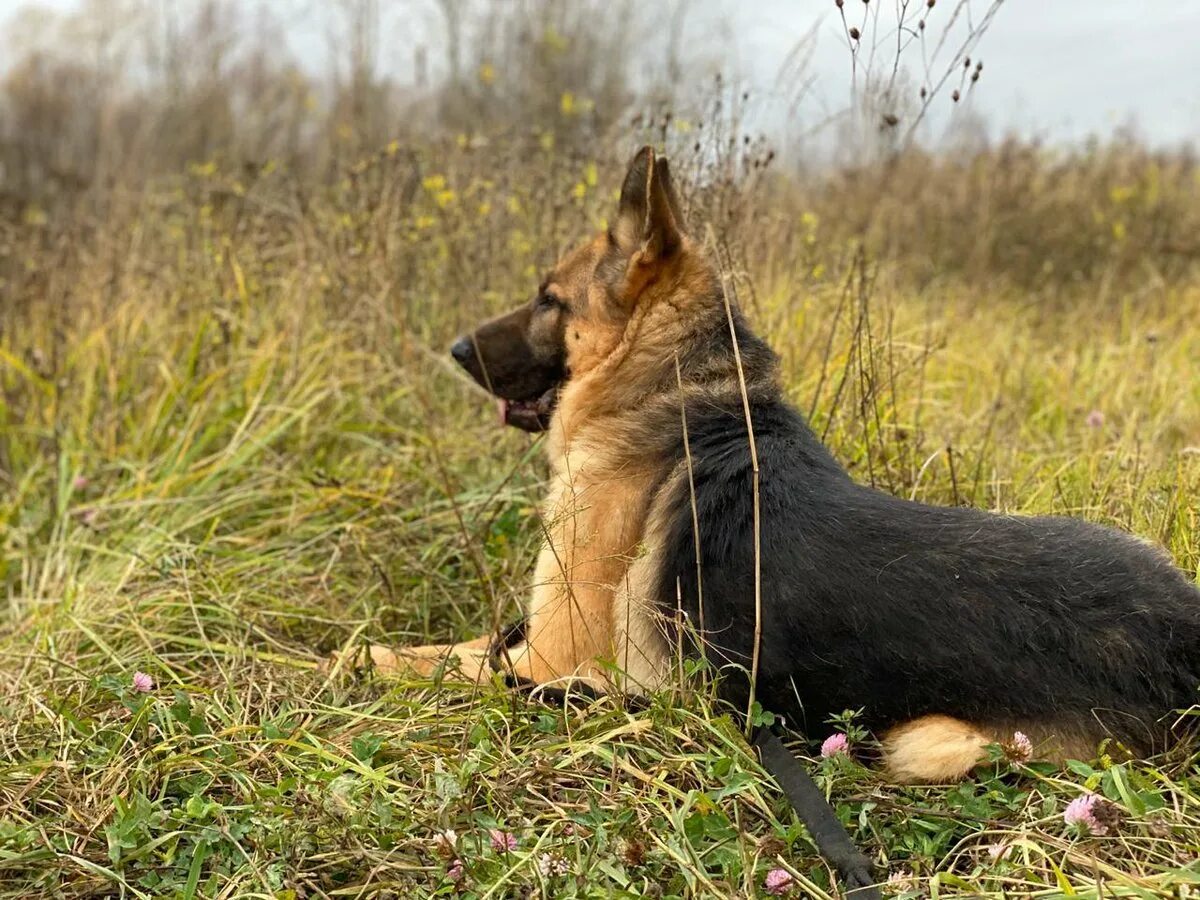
<point>588,565</point>
<point>468,661</point>
<point>568,636</point>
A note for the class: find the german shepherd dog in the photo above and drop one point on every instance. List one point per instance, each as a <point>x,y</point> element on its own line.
<point>951,628</point>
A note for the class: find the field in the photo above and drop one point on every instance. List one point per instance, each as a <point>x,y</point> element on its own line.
<point>232,442</point>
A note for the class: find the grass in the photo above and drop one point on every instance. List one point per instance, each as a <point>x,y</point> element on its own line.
<point>230,443</point>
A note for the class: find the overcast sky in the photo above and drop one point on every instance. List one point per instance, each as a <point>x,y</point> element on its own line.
<point>1061,69</point>
<point>1057,69</point>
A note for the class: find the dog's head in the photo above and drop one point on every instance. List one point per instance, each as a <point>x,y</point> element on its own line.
<point>581,309</point>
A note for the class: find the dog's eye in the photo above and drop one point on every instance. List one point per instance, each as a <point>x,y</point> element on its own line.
<point>547,300</point>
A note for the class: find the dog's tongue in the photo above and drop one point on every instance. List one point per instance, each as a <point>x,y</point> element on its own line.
<point>527,415</point>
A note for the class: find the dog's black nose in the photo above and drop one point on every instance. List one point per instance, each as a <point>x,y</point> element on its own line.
<point>462,350</point>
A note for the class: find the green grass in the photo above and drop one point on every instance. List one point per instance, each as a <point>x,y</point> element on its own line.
<point>231,444</point>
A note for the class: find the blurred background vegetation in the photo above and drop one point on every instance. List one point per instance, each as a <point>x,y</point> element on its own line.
<point>230,440</point>
<point>178,159</point>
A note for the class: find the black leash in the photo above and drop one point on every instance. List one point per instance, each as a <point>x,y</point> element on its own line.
<point>818,816</point>
<point>828,833</point>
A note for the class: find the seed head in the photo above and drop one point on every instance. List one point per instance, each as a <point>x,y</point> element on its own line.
<point>552,865</point>
<point>999,851</point>
<point>854,33</point>
<point>1020,748</point>
<point>771,846</point>
<point>634,853</point>
<point>445,843</point>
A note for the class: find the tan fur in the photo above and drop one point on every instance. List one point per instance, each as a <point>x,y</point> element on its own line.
<point>593,520</point>
<point>643,655</point>
<point>933,748</point>
<point>464,661</point>
<point>939,748</point>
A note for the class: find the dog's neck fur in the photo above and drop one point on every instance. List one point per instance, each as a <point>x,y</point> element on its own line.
<point>682,306</point>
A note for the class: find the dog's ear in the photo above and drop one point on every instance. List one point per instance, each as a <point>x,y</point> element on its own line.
<point>649,221</point>
<point>662,175</point>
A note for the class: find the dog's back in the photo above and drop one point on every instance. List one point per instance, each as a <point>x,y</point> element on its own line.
<point>1065,629</point>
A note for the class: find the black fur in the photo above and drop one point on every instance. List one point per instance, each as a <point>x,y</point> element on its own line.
<point>905,609</point>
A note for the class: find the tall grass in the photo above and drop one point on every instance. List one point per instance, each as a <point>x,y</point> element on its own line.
<point>230,443</point>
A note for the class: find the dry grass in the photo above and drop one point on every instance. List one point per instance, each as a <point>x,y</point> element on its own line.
<point>231,444</point>
<point>231,441</point>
